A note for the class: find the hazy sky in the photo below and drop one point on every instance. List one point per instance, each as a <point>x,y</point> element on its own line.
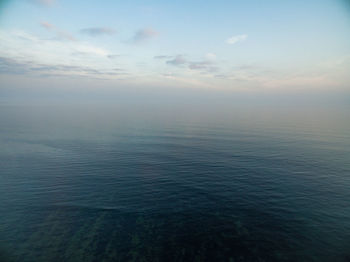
<point>238,45</point>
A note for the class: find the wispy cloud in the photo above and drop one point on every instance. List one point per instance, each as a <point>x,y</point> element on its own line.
<point>235,39</point>
<point>47,25</point>
<point>206,65</point>
<point>113,56</point>
<point>177,61</point>
<point>210,56</point>
<point>59,33</point>
<point>14,67</point>
<point>21,46</point>
<point>26,54</point>
<point>98,31</point>
<point>162,57</point>
<point>144,34</point>
<point>11,66</point>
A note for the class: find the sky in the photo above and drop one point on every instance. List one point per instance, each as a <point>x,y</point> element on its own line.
<point>245,46</point>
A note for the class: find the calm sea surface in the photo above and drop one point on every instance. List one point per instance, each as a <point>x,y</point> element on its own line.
<point>104,183</point>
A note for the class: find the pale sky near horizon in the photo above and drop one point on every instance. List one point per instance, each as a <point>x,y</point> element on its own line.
<point>238,45</point>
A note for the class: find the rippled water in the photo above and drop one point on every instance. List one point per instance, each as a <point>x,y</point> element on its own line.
<point>96,183</point>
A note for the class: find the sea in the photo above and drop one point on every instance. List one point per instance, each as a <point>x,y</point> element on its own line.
<point>174,183</point>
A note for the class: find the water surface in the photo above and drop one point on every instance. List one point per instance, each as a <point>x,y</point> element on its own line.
<point>109,183</point>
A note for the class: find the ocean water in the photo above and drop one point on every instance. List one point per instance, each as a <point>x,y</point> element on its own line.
<point>133,183</point>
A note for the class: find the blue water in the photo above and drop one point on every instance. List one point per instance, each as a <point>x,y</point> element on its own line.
<point>104,183</point>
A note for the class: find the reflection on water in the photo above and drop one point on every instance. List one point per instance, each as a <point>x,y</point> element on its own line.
<point>116,184</point>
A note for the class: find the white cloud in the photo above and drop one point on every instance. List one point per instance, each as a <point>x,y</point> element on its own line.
<point>86,48</point>
<point>59,33</point>
<point>235,39</point>
<point>210,57</point>
<point>21,46</point>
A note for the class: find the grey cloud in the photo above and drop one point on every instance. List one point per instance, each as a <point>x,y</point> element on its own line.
<point>46,75</point>
<point>11,66</point>
<point>223,76</point>
<point>59,33</point>
<point>143,35</point>
<point>85,54</point>
<point>204,66</point>
<point>113,56</point>
<point>118,69</point>
<point>79,53</point>
<point>199,65</point>
<point>177,61</point>
<point>97,31</point>
<point>244,72</point>
<point>246,67</point>
<point>65,68</point>
<point>162,57</point>
<point>40,68</point>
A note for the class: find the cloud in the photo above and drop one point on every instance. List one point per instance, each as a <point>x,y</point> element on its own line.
<point>47,25</point>
<point>113,56</point>
<point>205,66</point>
<point>31,56</point>
<point>97,31</point>
<point>13,67</point>
<point>143,35</point>
<point>210,56</point>
<point>59,33</point>
<point>177,61</point>
<point>21,46</point>
<point>162,57</point>
<point>92,50</point>
<point>235,39</point>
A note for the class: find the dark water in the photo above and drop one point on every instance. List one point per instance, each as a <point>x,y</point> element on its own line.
<point>96,183</point>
